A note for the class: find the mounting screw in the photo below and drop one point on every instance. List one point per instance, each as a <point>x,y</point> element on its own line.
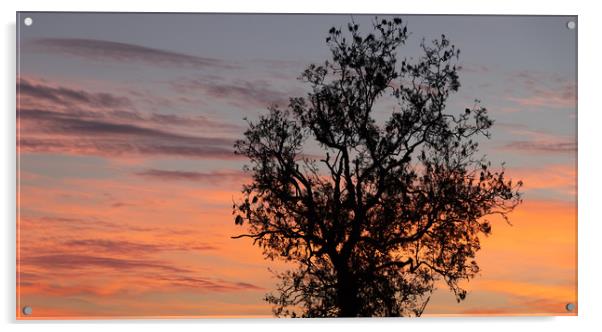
<point>28,21</point>
<point>27,310</point>
<point>570,307</point>
<point>571,25</point>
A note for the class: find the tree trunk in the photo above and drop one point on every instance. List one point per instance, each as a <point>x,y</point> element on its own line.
<point>347,300</point>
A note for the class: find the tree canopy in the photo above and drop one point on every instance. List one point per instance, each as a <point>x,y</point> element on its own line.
<point>388,206</point>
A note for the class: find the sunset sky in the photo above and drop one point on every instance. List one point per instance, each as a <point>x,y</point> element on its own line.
<point>127,174</point>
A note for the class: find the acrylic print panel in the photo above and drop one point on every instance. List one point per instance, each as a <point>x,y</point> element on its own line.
<point>246,165</point>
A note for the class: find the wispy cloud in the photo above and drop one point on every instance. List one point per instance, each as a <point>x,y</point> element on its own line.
<point>560,97</point>
<point>130,247</point>
<point>244,94</point>
<point>91,224</point>
<point>73,134</point>
<point>544,147</point>
<point>151,275</point>
<point>539,89</point>
<point>61,119</point>
<point>192,121</point>
<point>65,123</point>
<point>96,49</point>
<point>537,141</point>
<point>38,93</point>
<point>474,68</point>
<point>210,177</point>
<point>558,179</point>
<point>68,96</point>
<point>110,259</point>
<point>114,148</point>
<point>205,283</point>
<point>77,261</point>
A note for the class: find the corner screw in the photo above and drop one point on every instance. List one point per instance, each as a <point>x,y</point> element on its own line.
<point>27,310</point>
<point>571,25</point>
<point>570,307</point>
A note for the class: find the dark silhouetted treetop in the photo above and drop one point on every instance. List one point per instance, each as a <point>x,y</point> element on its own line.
<point>388,207</point>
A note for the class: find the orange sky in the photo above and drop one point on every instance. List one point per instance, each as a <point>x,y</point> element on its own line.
<point>111,247</point>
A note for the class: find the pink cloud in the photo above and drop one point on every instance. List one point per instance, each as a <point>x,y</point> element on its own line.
<point>543,90</point>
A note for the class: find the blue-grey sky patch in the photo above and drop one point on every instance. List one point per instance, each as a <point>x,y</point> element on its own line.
<point>94,49</point>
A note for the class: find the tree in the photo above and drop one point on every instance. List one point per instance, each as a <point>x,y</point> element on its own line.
<point>387,208</point>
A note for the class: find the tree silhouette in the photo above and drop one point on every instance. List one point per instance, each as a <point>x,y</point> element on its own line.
<point>386,209</point>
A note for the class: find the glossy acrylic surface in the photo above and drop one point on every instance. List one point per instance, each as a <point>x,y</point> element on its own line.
<point>127,175</point>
